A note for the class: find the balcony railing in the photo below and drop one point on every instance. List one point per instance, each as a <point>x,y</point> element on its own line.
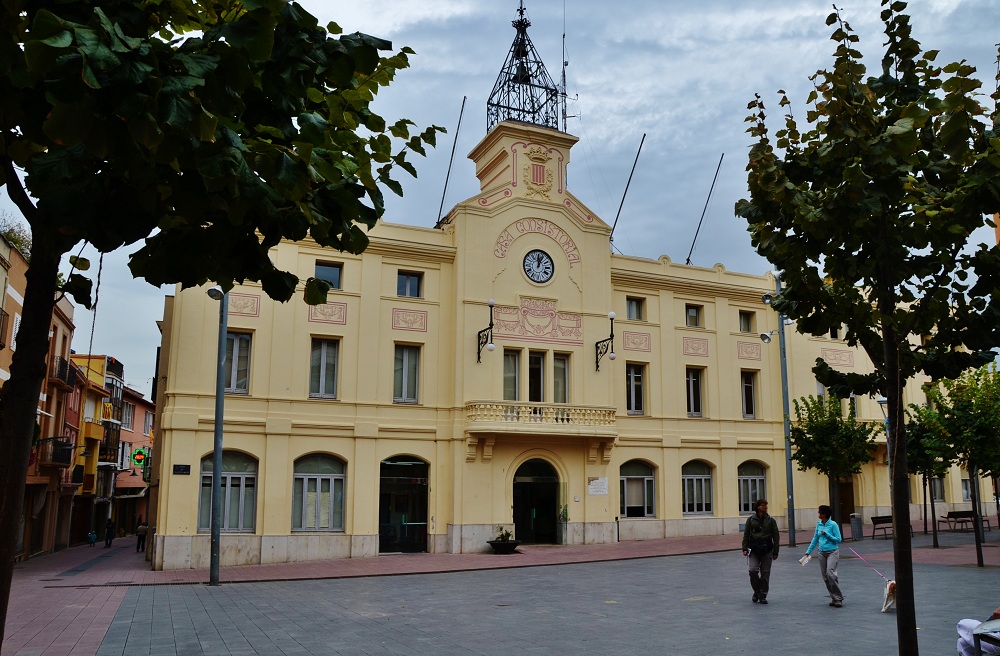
<point>63,371</point>
<point>502,416</point>
<point>56,451</point>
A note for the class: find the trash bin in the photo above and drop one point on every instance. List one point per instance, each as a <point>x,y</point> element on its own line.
<point>857,531</point>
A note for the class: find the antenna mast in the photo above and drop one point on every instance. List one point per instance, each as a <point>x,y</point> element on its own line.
<point>688,261</point>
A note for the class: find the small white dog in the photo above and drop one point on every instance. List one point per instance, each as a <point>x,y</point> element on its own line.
<point>890,596</point>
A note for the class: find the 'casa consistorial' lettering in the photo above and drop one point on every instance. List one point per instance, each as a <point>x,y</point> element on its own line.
<point>536,227</point>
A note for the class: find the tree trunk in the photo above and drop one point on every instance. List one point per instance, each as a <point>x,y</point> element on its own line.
<point>906,617</point>
<point>977,524</point>
<point>19,405</point>
<point>933,515</point>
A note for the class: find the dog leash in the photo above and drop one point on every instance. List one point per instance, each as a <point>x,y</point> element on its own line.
<point>869,564</point>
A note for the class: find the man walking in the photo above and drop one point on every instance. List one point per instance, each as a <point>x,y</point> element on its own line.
<point>140,534</point>
<point>760,545</point>
<point>828,539</point>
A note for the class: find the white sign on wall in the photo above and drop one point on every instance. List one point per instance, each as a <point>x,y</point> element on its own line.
<point>597,487</point>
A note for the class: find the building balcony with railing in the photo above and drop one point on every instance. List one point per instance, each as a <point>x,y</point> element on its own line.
<point>56,451</point>
<point>62,372</point>
<point>549,418</point>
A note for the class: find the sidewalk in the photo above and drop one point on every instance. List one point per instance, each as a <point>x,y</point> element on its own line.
<point>64,603</point>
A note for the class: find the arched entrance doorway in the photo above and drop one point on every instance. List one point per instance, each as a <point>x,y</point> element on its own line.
<point>402,505</point>
<point>536,502</point>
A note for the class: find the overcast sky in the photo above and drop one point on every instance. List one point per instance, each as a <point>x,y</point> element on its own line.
<point>681,73</point>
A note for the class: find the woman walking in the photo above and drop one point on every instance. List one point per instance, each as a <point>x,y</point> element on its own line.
<point>828,539</point>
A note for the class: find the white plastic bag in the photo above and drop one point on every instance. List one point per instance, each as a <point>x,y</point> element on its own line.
<point>805,559</point>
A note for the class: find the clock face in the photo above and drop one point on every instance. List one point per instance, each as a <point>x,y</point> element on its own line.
<point>538,266</point>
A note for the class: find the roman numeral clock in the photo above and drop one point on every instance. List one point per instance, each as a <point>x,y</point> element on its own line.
<point>538,266</point>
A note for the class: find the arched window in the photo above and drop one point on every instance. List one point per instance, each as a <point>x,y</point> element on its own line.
<point>239,493</point>
<point>637,490</point>
<point>318,493</point>
<point>696,478</point>
<point>750,476</point>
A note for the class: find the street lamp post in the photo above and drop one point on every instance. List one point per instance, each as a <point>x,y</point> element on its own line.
<point>223,299</point>
<point>783,356</point>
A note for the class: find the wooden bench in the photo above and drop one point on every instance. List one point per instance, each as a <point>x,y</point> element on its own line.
<point>961,520</point>
<point>884,523</point>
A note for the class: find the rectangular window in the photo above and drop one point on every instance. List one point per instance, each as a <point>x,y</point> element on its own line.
<point>329,273</point>
<point>239,502</point>
<point>693,379</point>
<point>634,309</point>
<point>536,376</point>
<point>323,369</point>
<point>692,314</point>
<point>746,321</point>
<point>237,365</point>
<point>835,332</point>
<point>697,495</point>
<point>966,490</point>
<point>511,375</point>
<point>408,284</point>
<point>751,489</point>
<point>128,416</point>
<point>937,489</point>
<point>404,389</point>
<point>560,378</point>
<point>637,496</point>
<point>147,427</point>
<point>748,385</point>
<point>633,388</point>
<point>318,503</point>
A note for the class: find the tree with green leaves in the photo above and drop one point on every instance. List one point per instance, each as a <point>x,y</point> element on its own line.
<point>826,440</point>
<point>927,453</point>
<point>204,133</point>
<point>868,210</point>
<point>966,415</point>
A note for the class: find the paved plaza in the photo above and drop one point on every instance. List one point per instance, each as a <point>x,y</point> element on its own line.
<point>675,596</point>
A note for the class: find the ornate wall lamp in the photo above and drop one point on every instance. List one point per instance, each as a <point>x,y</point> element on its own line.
<point>486,335</point>
<point>605,344</point>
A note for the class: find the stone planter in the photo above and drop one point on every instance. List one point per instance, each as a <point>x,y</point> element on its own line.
<point>503,546</point>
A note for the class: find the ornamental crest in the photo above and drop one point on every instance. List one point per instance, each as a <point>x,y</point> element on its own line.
<point>537,176</point>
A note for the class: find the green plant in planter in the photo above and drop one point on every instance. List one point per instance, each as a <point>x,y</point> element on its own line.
<point>503,535</point>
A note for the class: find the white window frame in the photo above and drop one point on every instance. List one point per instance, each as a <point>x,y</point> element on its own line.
<point>635,400</point>
<point>645,483</point>
<point>409,283</point>
<point>236,342</point>
<point>147,424</point>
<point>407,358</point>
<point>697,492</point>
<point>694,384</point>
<point>635,308</point>
<point>748,393</point>
<point>319,377</point>
<point>752,486</point>
<point>512,375</point>
<point>693,315</point>
<point>560,377</point>
<point>241,483</point>
<point>746,319</point>
<point>335,506</point>
<point>332,265</point>
<point>128,416</point>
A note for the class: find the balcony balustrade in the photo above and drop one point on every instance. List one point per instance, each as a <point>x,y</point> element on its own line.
<point>63,371</point>
<point>553,418</point>
<point>56,452</point>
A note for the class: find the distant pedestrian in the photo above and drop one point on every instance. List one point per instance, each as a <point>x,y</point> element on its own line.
<point>91,539</point>
<point>140,534</point>
<point>760,546</point>
<point>109,533</point>
<point>828,539</point>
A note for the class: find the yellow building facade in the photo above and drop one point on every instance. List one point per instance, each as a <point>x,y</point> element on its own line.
<point>469,375</point>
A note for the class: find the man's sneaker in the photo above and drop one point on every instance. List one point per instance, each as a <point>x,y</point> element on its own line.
<point>837,603</point>
<point>763,600</point>
<point>756,599</point>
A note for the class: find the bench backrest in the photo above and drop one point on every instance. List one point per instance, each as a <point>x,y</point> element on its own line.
<point>882,519</point>
<point>960,514</point>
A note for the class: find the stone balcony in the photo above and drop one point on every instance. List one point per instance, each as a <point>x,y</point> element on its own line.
<point>487,421</point>
<point>534,418</point>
